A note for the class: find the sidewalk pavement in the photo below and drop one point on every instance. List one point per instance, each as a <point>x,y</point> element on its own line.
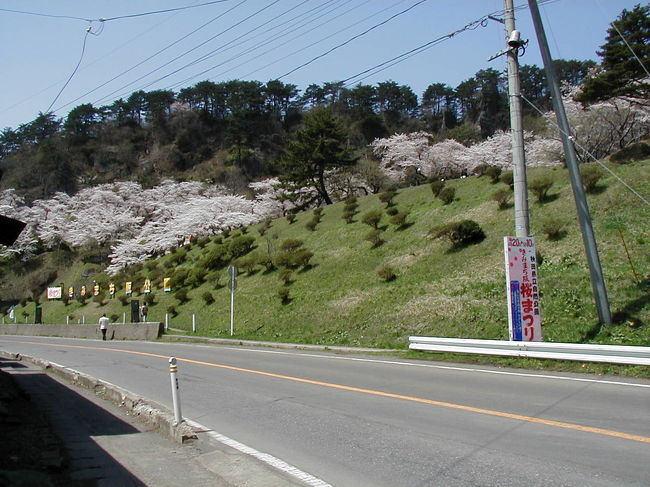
<point>55,434</point>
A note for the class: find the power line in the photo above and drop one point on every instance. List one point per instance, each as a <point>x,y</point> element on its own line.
<point>162,11</point>
<point>119,17</point>
<point>83,50</point>
<point>187,52</point>
<point>263,42</point>
<point>273,39</point>
<point>151,56</point>
<point>45,15</point>
<point>350,40</point>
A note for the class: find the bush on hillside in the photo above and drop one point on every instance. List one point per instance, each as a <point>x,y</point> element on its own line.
<point>494,173</point>
<point>181,295</point>
<point>207,297</point>
<point>386,273</point>
<point>372,218</point>
<point>241,246</point>
<point>540,187</point>
<point>291,217</point>
<point>460,234</point>
<point>283,294</point>
<point>447,195</point>
<point>507,177</point>
<point>502,197</point>
<point>553,228</point>
<point>374,237</point>
<point>399,219</point>
<point>633,152</point>
<point>436,187</point>
<point>387,197</point>
<point>591,176</point>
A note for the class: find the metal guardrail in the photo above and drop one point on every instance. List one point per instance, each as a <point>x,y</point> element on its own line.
<point>615,354</point>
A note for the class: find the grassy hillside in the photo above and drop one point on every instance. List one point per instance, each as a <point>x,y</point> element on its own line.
<point>341,300</point>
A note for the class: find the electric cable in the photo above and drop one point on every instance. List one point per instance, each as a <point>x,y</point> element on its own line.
<point>350,40</point>
<point>264,43</point>
<point>83,50</point>
<point>185,53</point>
<point>319,10</point>
<point>137,65</point>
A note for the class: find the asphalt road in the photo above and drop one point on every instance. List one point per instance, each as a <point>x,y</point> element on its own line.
<point>376,421</point>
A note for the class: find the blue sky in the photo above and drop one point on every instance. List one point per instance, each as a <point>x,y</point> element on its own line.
<point>258,40</point>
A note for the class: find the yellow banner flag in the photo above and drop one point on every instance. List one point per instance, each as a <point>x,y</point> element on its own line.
<point>127,288</point>
<point>167,284</point>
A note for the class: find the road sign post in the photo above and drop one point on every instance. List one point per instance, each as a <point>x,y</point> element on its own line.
<point>232,284</point>
<point>175,393</point>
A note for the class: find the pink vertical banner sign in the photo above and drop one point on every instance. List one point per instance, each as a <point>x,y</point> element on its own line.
<point>524,318</point>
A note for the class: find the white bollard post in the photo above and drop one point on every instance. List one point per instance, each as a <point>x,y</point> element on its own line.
<point>83,320</point>
<point>175,392</point>
<point>166,321</point>
<point>193,323</point>
<point>123,317</point>
<point>67,319</point>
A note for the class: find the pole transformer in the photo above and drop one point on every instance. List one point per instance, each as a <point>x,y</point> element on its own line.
<point>588,237</point>
<point>522,222</point>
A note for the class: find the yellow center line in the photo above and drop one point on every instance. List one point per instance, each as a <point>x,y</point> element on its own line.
<point>372,392</point>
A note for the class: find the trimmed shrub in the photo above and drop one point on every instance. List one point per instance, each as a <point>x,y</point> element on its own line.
<point>318,212</point>
<point>291,244</point>
<point>283,294</point>
<point>494,173</point>
<point>207,297</point>
<point>502,197</point>
<point>553,228</point>
<point>447,195</point>
<point>311,224</point>
<point>123,299</point>
<point>150,299</point>
<point>386,273</point>
<point>291,217</point>
<point>399,219</point>
<point>248,262</point>
<point>590,177</point>
<point>196,276</point>
<point>540,188</point>
<point>302,257</point>
<point>172,311</point>
<point>286,276</point>
<point>387,197</point>
<point>436,187</point>
<point>372,218</point>
<point>392,211</point>
<point>507,177</point>
<point>348,215</point>
<point>633,152</point>
<point>181,295</point>
<point>374,237</point>
<point>241,246</point>
<point>460,234</point>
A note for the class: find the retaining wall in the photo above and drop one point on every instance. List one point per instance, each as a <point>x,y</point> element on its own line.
<point>115,331</point>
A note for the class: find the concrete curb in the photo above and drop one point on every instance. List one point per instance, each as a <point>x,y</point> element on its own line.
<point>149,412</point>
<point>291,346</point>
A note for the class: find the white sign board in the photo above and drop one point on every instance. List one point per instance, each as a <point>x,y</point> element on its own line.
<point>54,292</point>
<point>524,318</point>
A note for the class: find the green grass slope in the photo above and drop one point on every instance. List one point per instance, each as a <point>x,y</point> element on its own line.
<point>340,299</point>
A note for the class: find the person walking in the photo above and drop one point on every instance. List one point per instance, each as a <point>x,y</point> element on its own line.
<point>103,325</point>
<point>144,311</point>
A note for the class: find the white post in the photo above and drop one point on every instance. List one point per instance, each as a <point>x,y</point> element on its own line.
<point>123,317</point>
<point>175,393</point>
<point>83,320</point>
<point>166,321</point>
<point>67,319</point>
<point>193,323</point>
<point>232,312</point>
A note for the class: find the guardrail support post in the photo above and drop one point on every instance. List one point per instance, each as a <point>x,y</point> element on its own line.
<point>173,372</point>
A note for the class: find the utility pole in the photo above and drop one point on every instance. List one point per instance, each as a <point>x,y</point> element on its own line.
<point>522,223</point>
<point>588,238</point>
